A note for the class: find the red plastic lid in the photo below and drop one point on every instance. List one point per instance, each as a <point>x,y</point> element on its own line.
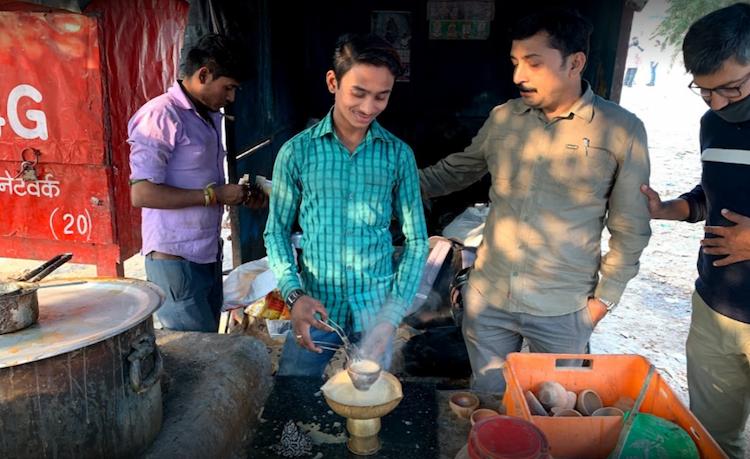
<point>505,437</point>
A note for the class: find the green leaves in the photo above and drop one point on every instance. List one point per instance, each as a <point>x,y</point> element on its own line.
<point>680,16</point>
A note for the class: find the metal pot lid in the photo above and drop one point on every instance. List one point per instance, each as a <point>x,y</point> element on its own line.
<point>7,288</point>
<point>72,317</point>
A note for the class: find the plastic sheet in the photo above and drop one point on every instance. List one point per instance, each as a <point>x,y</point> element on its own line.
<point>248,283</point>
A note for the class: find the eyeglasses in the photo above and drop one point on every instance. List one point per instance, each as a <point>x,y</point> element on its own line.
<point>729,92</point>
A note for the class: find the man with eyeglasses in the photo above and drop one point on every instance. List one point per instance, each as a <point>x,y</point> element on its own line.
<point>717,53</point>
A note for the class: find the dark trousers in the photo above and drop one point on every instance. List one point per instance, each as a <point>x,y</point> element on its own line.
<point>630,76</point>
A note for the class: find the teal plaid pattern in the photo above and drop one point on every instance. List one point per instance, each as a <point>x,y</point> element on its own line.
<point>344,203</point>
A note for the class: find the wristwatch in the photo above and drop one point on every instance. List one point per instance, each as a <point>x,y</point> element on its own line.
<point>293,296</point>
<point>609,304</point>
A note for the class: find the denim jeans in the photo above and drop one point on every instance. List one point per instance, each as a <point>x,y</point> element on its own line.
<point>630,76</point>
<point>193,293</point>
<point>298,361</point>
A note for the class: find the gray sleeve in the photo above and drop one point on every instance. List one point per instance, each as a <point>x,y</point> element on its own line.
<point>628,218</point>
<point>458,170</point>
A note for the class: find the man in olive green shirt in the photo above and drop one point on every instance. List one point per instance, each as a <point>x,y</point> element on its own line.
<point>564,163</point>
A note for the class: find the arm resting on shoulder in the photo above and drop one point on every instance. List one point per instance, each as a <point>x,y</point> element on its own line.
<point>458,170</point>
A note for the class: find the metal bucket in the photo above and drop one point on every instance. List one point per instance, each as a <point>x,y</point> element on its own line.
<point>19,305</point>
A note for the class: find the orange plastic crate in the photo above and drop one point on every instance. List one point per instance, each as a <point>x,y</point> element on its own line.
<point>613,377</point>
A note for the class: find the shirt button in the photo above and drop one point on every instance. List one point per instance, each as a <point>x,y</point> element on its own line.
<point>349,267</point>
<point>515,273</point>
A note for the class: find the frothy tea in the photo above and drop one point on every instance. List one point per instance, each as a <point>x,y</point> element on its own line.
<point>365,366</point>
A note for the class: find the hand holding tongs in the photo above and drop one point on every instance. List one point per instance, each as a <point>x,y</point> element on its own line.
<point>349,348</point>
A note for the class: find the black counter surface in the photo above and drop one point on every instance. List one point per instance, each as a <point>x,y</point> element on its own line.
<point>408,432</point>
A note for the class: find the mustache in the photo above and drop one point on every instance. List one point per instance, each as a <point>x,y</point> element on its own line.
<point>523,88</point>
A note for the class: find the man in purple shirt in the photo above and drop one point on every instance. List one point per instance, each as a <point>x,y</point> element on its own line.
<point>177,178</point>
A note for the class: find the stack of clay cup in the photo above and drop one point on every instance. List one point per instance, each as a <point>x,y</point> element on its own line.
<point>552,399</point>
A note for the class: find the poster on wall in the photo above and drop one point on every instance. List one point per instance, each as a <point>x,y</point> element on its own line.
<point>460,19</point>
<point>395,28</point>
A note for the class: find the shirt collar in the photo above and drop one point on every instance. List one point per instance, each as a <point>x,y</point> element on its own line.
<point>325,126</point>
<point>582,108</point>
<point>178,96</point>
<point>181,100</point>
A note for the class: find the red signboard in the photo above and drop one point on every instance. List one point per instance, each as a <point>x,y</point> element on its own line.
<point>69,84</point>
<point>66,203</point>
<point>51,89</point>
<point>50,120</point>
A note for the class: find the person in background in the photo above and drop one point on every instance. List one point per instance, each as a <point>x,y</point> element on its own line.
<point>343,179</point>
<point>633,61</point>
<point>177,178</point>
<point>716,51</point>
<point>654,60</point>
<point>565,164</point>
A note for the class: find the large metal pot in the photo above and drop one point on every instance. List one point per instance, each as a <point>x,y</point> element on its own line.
<point>84,382</point>
<point>19,305</point>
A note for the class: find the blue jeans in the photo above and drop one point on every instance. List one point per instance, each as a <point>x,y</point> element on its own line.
<point>630,76</point>
<point>653,73</point>
<point>193,293</point>
<point>298,361</point>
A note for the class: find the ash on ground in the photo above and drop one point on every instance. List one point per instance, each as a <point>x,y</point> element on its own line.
<point>294,442</point>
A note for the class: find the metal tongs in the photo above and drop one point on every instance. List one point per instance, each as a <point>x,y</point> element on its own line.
<point>349,348</point>
<point>326,346</point>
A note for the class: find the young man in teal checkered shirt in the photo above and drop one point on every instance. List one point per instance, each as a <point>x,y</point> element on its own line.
<point>343,179</point>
